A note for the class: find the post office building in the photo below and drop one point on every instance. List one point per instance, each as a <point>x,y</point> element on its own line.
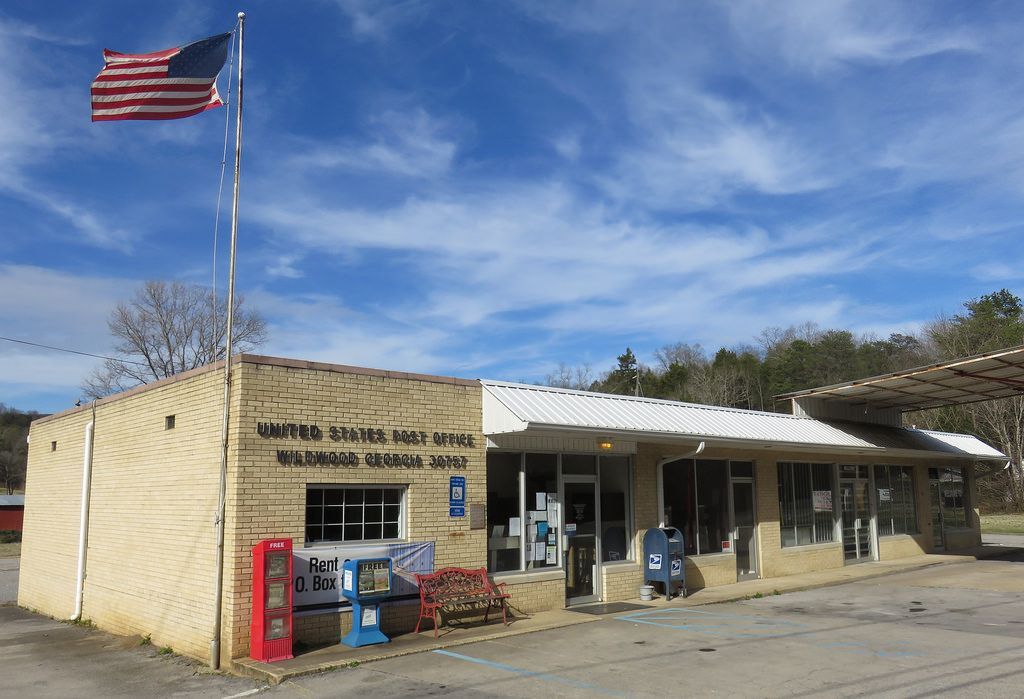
<point>556,490</point>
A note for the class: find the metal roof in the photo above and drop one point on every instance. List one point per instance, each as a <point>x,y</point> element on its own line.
<point>518,408</point>
<point>12,500</point>
<point>982,377</point>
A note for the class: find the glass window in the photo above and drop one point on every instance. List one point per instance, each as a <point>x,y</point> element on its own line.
<point>894,491</point>
<point>541,486</point>
<point>696,497</point>
<point>805,503</point>
<point>712,505</point>
<point>953,510</point>
<point>343,513</point>
<point>615,499</point>
<point>742,469</point>
<point>503,511</point>
<point>677,483</point>
<point>579,464</point>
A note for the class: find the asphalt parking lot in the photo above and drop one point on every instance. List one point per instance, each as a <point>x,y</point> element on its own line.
<point>949,629</point>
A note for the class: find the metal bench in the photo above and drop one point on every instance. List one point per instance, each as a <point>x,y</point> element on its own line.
<point>458,587</point>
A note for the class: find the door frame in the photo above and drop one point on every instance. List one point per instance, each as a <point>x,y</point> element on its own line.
<point>935,514</point>
<point>872,531</point>
<point>755,552</point>
<point>595,481</point>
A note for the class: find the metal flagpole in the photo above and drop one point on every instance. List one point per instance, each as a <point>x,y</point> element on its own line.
<point>219,595</point>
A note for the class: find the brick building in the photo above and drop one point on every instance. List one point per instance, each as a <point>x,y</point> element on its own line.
<point>560,488</point>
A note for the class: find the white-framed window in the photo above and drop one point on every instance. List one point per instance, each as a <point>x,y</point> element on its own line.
<point>805,503</point>
<point>894,490</point>
<point>354,513</point>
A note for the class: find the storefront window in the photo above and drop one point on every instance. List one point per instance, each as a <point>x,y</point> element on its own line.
<point>503,526</point>
<point>805,504</point>
<point>953,510</point>
<point>615,499</point>
<point>894,489</point>
<point>341,514</point>
<point>697,503</point>
<point>541,495</point>
<point>524,511</point>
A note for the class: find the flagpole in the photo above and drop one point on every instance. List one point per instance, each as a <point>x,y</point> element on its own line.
<point>222,496</point>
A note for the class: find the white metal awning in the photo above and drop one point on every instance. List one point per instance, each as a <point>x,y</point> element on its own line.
<point>510,408</point>
<point>982,377</point>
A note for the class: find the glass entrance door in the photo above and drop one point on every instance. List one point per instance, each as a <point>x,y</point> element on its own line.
<point>582,542</point>
<point>743,534</point>
<point>856,514</point>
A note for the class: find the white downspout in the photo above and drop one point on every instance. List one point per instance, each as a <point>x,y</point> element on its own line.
<point>83,523</point>
<point>660,477</point>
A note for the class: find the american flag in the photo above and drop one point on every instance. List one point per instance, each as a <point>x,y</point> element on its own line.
<point>168,84</point>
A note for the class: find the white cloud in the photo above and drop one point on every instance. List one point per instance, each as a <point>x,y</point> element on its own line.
<point>53,308</point>
<point>59,308</point>
<point>376,21</point>
<point>284,266</point>
<point>39,121</point>
<point>409,144</point>
<point>820,36</point>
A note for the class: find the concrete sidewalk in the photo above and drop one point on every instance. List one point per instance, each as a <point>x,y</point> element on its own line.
<point>335,656</point>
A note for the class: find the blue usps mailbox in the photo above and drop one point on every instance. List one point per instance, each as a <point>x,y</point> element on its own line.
<point>366,582</point>
<point>663,559</point>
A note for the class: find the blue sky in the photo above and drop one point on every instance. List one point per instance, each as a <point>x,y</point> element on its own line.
<point>490,189</point>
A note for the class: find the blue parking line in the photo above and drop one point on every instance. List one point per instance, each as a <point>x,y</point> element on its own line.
<point>548,677</point>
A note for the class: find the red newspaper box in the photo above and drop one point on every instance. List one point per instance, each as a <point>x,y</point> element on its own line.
<point>271,626</point>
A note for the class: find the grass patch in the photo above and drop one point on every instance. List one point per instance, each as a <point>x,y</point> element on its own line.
<point>12,550</point>
<point>1003,524</point>
<point>146,640</point>
<point>166,650</point>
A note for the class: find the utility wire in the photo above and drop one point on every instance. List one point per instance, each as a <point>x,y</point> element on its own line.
<point>71,351</point>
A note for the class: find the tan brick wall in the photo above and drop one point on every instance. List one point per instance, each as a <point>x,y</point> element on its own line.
<point>53,489</point>
<point>710,570</point>
<point>621,582</point>
<point>901,546</point>
<point>150,566</point>
<point>268,499</point>
<point>531,595</point>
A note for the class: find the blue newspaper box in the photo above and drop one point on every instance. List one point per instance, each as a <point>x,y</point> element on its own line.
<point>365,583</point>
<point>663,559</point>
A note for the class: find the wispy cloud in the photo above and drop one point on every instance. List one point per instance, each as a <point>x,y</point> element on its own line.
<point>375,20</point>
<point>408,144</point>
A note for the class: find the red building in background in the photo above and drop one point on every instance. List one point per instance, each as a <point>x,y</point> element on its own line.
<point>12,512</point>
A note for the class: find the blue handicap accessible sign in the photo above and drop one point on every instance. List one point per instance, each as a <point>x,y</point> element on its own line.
<point>457,496</point>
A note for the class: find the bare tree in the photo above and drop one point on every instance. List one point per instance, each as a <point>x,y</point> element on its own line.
<point>168,328</point>
<point>683,354</point>
<point>13,447</point>
<point>580,378</point>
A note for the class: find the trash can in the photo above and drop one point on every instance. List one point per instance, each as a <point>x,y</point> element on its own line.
<point>664,559</point>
